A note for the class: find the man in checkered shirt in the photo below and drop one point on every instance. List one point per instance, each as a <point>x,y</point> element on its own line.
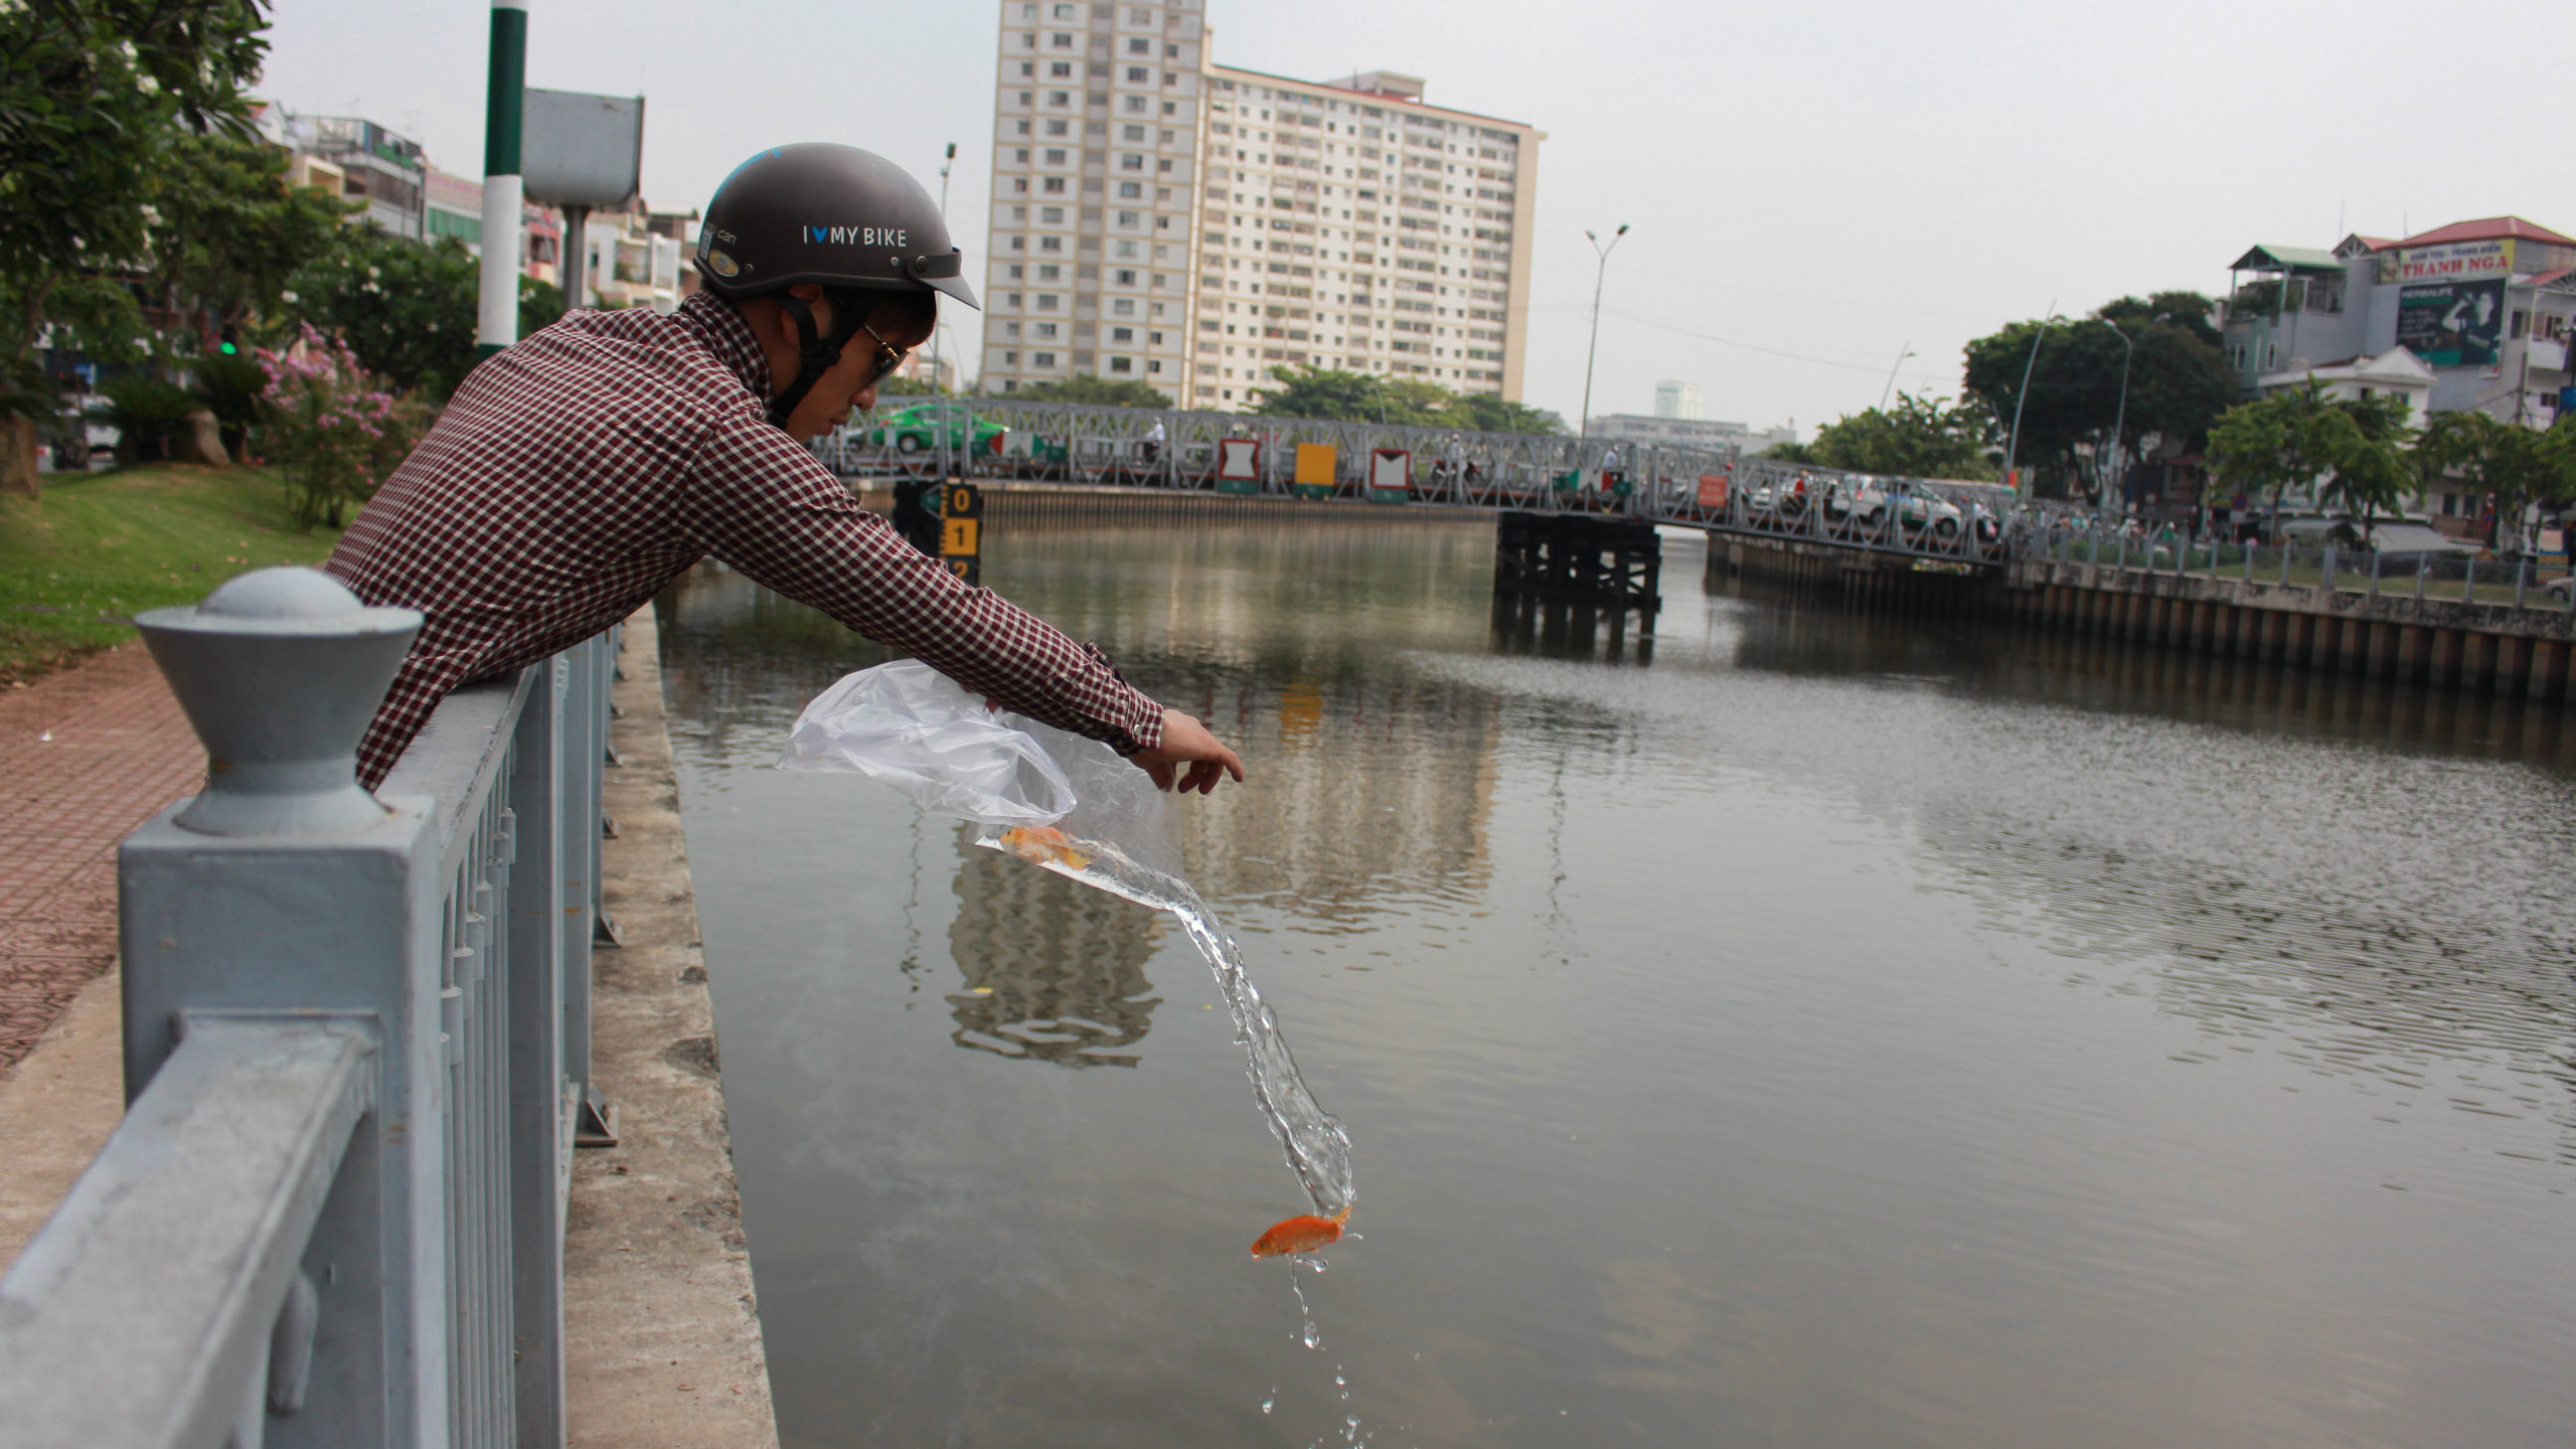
<point>576,473</point>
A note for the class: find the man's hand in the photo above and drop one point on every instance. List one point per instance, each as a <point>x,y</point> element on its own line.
<point>1187,742</point>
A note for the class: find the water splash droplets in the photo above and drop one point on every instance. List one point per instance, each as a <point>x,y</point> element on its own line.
<point>1271,1402</point>
<point>1317,1146</point>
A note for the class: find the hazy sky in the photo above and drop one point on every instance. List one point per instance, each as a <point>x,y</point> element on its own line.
<point>1812,188</point>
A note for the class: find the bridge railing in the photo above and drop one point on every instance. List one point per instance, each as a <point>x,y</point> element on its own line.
<point>356,1057</point>
<point>1204,451</point>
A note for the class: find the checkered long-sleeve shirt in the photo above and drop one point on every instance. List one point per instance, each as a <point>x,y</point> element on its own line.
<point>574,474</point>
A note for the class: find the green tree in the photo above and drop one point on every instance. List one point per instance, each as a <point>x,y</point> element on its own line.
<point>1918,438</point>
<point>1088,388</point>
<point>91,94</point>
<point>2518,465</point>
<point>227,232</point>
<point>1326,392</point>
<point>1486,413</point>
<point>1359,397</point>
<point>2373,471</point>
<point>406,310</point>
<point>2178,377</point>
<point>2353,451</point>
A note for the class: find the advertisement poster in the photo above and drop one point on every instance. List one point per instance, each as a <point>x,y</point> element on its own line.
<point>2452,324</point>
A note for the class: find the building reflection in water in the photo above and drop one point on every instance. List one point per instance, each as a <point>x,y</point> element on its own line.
<point>1054,971</point>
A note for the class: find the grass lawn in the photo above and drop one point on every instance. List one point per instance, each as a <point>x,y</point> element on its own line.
<point>77,564</point>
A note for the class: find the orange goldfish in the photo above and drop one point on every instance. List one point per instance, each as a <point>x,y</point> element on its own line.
<point>1043,845</point>
<point>1303,1233</point>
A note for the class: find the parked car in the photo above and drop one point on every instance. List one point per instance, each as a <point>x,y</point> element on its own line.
<point>917,429</point>
<point>1917,507</point>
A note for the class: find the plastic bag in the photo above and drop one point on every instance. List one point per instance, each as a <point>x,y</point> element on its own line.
<point>910,726</point>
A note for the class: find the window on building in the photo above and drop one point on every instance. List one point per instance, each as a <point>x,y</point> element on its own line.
<point>1122,364</point>
<point>1053,184</point>
<point>1126,278</point>
<point>1140,46</point>
<point>1054,128</point>
<point>1136,75</point>
<point>1049,271</point>
<point>1129,190</point>
<point>1122,334</point>
<point>1061,41</point>
<point>1054,158</point>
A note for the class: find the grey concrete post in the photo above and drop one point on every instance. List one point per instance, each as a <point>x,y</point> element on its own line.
<point>285,887</point>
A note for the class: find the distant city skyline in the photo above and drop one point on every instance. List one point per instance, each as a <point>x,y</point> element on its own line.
<point>1868,178</point>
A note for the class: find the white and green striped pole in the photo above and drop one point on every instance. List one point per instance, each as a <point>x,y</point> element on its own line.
<point>503,191</point>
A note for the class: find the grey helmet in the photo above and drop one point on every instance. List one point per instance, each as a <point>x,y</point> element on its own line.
<point>847,220</point>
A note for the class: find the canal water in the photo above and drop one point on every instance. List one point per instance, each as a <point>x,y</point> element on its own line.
<point>1793,1027</point>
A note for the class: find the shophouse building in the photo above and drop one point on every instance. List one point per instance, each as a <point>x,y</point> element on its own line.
<point>1163,219</point>
<point>2484,307</point>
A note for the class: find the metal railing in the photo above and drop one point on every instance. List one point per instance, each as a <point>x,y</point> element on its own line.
<point>1204,452</point>
<point>356,1054</point>
<point>2519,582</point>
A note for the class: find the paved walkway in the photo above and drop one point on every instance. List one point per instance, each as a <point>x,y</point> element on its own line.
<point>86,754</point>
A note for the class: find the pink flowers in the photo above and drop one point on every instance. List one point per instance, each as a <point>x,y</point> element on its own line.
<point>334,431</point>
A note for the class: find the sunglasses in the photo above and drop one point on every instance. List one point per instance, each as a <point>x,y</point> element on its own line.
<point>889,356</point>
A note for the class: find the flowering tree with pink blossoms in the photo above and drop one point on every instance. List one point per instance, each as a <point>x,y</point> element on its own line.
<point>334,430</point>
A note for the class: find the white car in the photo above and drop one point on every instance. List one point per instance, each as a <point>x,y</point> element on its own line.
<point>1917,507</point>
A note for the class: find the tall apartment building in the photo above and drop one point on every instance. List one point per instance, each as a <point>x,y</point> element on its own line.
<point>1163,219</point>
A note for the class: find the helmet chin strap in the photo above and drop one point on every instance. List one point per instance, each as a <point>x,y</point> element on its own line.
<point>815,355</point>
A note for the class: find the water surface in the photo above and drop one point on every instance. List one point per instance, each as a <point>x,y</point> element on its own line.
<point>1796,1028</point>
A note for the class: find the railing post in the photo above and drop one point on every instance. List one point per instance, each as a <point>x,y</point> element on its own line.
<point>584,673</point>
<point>286,887</point>
<point>542,1104</point>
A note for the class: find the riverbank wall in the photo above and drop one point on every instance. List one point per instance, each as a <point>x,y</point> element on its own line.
<point>2474,647</point>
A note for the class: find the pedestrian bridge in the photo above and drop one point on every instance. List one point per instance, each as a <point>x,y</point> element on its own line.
<point>1395,465</point>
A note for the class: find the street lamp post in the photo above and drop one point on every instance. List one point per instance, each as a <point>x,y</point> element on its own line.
<point>2012,441</point>
<point>2120,419</point>
<point>1904,350</point>
<point>1583,430</point>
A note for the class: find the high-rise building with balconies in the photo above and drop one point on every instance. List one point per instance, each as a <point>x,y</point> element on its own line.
<point>1163,219</point>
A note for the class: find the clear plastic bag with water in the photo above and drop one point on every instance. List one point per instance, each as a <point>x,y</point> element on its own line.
<point>1071,805</point>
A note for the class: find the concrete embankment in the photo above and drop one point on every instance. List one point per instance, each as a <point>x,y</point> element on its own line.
<point>661,1331</point>
<point>2473,647</point>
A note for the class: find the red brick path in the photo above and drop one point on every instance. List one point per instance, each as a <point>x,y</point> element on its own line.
<point>86,755</point>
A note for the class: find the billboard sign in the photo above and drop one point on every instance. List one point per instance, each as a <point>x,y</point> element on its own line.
<point>2457,261</point>
<point>2452,324</point>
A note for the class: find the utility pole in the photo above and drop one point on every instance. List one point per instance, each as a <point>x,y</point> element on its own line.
<point>504,104</point>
